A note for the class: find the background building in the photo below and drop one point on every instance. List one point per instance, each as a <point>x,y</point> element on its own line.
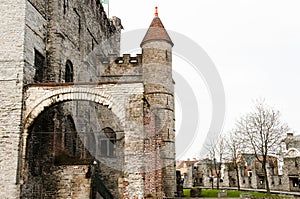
<point>283,170</point>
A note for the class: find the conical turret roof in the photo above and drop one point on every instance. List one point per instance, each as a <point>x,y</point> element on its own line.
<point>157,31</point>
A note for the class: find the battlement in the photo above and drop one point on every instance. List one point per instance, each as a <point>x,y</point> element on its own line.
<point>127,59</point>
<point>126,68</point>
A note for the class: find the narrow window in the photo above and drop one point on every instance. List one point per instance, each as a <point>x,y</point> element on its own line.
<point>107,142</point>
<point>280,181</point>
<point>65,6</point>
<point>103,144</point>
<point>69,72</point>
<point>39,64</point>
<point>295,182</point>
<point>70,137</point>
<point>79,21</point>
<point>79,25</point>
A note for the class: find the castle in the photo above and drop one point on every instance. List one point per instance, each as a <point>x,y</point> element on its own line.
<point>76,119</point>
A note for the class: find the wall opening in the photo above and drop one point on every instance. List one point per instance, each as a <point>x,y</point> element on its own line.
<point>39,65</point>
<point>69,73</point>
<point>59,138</point>
<point>107,140</point>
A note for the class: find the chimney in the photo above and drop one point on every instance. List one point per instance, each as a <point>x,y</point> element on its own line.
<point>288,135</point>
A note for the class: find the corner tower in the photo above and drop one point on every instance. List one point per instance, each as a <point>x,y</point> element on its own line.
<point>159,94</point>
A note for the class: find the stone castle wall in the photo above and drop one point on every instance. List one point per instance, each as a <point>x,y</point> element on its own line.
<point>35,38</point>
<point>78,31</point>
<point>12,22</point>
<point>73,182</point>
<point>74,31</point>
<point>38,39</point>
<point>121,69</point>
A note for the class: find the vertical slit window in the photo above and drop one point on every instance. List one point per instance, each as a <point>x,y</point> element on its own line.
<point>65,6</point>
<point>79,26</point>
<point>39,65</point>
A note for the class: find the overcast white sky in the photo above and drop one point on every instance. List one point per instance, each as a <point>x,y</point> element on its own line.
<point>254,44</point>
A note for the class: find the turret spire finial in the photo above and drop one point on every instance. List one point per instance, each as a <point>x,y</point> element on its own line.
<point>156,11</point>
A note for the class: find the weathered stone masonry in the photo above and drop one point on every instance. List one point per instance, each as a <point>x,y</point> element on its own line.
<point>77,120</point>
<point>12,22</point>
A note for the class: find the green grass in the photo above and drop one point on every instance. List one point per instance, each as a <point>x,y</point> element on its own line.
<point>186,192</point>
<point>208,193</point>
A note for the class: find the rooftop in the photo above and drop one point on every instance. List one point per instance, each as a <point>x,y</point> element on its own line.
<point>156,31</point>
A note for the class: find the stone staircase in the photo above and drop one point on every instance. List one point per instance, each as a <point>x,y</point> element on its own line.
<point>101,188</point>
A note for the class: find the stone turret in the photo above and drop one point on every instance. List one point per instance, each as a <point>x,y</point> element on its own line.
<point>159,94</point>
<point>157,58</point>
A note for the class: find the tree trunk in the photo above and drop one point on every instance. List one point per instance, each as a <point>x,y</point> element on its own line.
<point>238,178</point>
<point>267,181</point>
<point>266,176</point>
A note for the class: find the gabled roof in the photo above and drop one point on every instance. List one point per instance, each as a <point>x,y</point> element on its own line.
<point>188,163</point>
<point>157,31</point>
<point>292,152</point>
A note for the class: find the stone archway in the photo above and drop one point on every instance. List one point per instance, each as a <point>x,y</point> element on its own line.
<point>114,95</point>
<point>47,98</point>
<point>50,144</point>
<point>124,100</point>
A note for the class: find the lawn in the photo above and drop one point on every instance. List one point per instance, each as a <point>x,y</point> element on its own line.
<point>208,193</point>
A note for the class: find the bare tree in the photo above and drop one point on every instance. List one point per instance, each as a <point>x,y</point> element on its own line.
<point>262,130</point>
<point>233,147</point>
<point>216,149</point>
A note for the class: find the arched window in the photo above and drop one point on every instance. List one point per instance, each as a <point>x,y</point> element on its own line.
<point>69,72</point>
<point>70,137</point>
<point>106,143</point>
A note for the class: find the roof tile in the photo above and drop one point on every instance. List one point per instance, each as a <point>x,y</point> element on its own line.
<point>157,31</point>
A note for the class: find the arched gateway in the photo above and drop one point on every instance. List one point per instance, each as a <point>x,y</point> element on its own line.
<point>114,97</point>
